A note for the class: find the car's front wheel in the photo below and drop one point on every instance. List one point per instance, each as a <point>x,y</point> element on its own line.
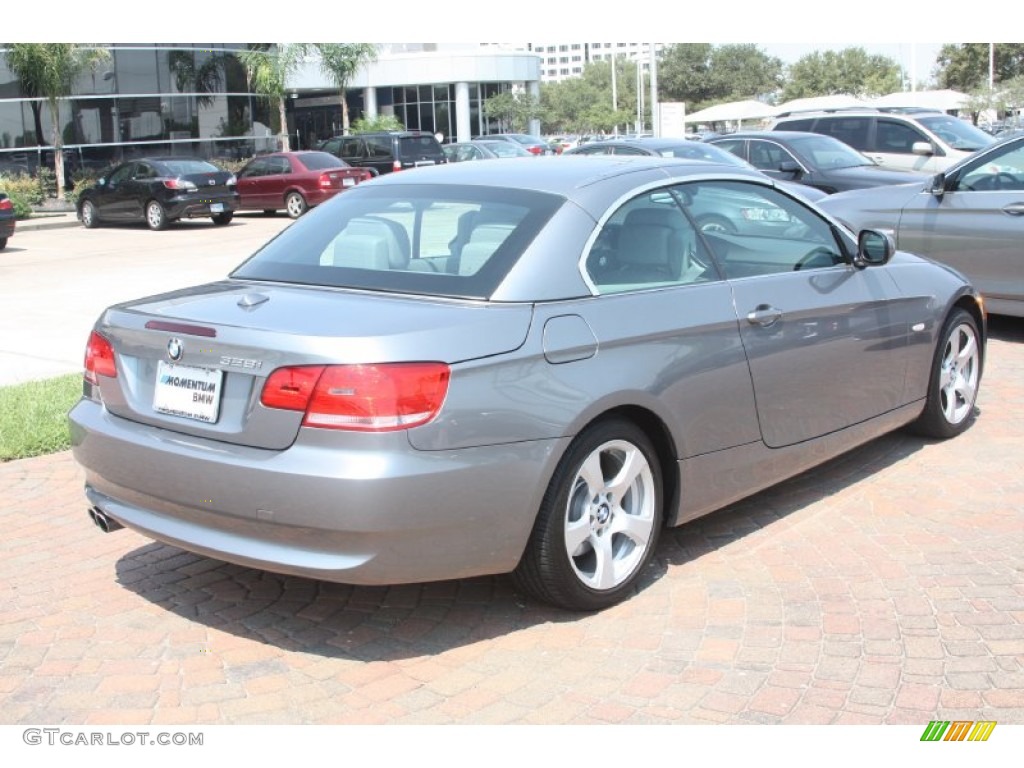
<point>955,376</point>
<point>221,219</point>
<point>295,204</point>
<point>599,521</point>
<point>89,218</point>
<point>156,217</point>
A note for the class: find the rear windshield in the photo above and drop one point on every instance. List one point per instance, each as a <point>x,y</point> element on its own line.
<point>420,148</point>
<point>318,161</point>
<point>186,166</point>
<point>440,240</point>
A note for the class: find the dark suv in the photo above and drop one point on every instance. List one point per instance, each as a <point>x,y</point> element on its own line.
<point>387,151</point>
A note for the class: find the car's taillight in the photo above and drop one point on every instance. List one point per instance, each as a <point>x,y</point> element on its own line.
<point>396,166</point>
<point>6,204</point>
<point>99,359</point>
<point>536,150</point>
<point>371,398</point>
<point>180,185</point>
<point>325,180</point>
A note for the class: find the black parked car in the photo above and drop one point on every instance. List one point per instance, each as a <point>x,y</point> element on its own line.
<point>6,219</point>
<point>387,151</point>
<point>158,191</point>
<point>811,158</point>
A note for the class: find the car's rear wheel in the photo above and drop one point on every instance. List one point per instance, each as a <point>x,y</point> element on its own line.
<point>156,217</point>
<point>956,373</point>
<point>295,204</point>
<point>599,520</point>
<point>3,243</point>
<point>223,218</point>
<point>89,218</point>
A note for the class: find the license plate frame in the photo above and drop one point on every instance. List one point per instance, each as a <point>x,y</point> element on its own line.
<point>188,392</point>
<point>216,207</point>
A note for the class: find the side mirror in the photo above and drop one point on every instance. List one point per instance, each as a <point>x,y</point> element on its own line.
<point>874,248</point>
<point>922,148</point>
<point>790,166</point>
<point>937,185</point>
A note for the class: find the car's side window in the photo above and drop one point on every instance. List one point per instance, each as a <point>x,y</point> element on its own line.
<point>279,165</point>
<point>767,155</point>
<point>122,174</point>
<point>732,145</point>
<point>996,172</point>
<point>647,243</point>
<point>352,148</point>
<point>756,230</point>
<point>849,130</point>
<point>891,136</point>
<point>379,146</point>
<point>624,150</point>
<point>255,169</point>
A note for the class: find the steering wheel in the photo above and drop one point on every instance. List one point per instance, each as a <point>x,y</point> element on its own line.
<point>816,253</point>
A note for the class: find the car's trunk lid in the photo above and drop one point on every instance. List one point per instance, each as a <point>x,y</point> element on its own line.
<point>195,361</point>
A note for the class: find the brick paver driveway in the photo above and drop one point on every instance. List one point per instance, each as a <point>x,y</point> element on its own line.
<point>885,587</point>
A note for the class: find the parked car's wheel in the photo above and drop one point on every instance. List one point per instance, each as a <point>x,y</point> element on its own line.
<point>713,223</point>
<point>89,218</point>
<point>599,521</point>
<point>156,217</point>
<point>956,373</point>
<point>3,243</point>
<point>223,218</point>
<point>295,204</point>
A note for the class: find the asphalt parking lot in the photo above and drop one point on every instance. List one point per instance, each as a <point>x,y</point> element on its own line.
<point>885,587</point>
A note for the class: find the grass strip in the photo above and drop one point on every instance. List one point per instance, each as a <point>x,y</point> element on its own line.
<point>34,416</point>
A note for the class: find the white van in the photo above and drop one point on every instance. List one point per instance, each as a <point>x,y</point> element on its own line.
<point>929,142</point>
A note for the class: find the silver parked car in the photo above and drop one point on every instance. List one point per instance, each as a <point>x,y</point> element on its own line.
<point>513,367</point>
<point>970,217</point>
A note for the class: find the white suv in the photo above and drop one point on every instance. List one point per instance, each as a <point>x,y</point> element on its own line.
<point>929,142</point>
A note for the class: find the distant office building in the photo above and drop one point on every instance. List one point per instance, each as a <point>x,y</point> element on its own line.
<point>561,61</point>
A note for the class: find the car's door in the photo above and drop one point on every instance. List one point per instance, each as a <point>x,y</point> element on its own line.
<point>114,199</point>
<point>279,176</point>
<point>663,307</point>
<point>894,147</point>
<point>977,225</point>
<point>249,183</point>
<point>826,341</point>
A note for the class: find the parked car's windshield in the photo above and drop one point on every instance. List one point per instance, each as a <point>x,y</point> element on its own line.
<point>958,133</point>
<point>444,240</point>
<point>826,152</point>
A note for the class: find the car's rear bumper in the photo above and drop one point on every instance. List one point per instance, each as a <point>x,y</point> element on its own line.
<point>191,208</point>
<point>7,227</point>
<point>382,514</point>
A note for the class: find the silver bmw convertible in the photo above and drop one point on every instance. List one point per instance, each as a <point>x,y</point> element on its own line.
<point>514,367</point>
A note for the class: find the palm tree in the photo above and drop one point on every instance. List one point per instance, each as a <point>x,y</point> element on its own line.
<point>268,73</point>
<point>339,62</point>
<point>48,70</point>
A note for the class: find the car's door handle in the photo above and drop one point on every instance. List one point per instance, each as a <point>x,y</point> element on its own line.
<point>764,315</point>
<point>1014,209</point>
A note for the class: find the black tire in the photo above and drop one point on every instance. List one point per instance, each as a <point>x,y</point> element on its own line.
<point>714,223</point>
<point>595,512</point>
<point>221,219</point>
<point>88,215</point>
<point>295,204</point>
<point>955,377</point>
<point>3,243</point>
<point>156,217</point>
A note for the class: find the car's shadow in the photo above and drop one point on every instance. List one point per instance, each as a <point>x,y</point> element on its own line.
<point>1005,328</point>
<point>387,623</point>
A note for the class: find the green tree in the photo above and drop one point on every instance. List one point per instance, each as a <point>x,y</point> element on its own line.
<point>268,72</point>
<point>851,70</point>
<point>584,104</point>
<point>340,62</point>
<point>378,123</point>
<point>513,110</point>
<point>48,71</point>
<point>701,74</point>
<point>205,79</point>
<point>966,67</point>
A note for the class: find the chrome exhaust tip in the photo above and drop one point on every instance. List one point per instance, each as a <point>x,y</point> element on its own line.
<point>102,521</point>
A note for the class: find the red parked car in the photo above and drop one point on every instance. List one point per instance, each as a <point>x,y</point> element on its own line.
<point>295,181</point>
<point>6,220</point>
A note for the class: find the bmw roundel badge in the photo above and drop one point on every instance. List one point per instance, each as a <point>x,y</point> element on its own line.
<point>175,349</point>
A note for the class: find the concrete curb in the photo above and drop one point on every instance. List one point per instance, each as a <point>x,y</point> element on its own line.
<point>47,221</point>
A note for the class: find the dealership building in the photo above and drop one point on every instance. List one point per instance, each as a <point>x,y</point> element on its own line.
<point>194,99</point>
